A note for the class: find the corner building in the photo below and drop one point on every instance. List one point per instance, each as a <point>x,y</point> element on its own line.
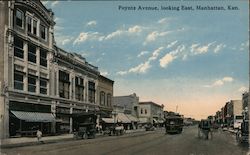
<point>41,85</point>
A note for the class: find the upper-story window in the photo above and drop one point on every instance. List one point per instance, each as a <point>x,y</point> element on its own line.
<point>79,92</point>
<point>31,83</point>
<point>19,18</point>
<point>18,47</point>
<point>141,111</point>
<point>43,86</point>
<point>109,99</point>
<point>102,98</point>
<point>91,91</point>
<point>31,53</point>
<point>29,24</point>
<point>64,84</point>
<point>18,81</point>
<point>146,111</point>
<point>43,32</point>
<point>43,57</point>
<point>35,27</point>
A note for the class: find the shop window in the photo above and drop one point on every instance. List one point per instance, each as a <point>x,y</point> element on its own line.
<point>43,58</point>
<point>43,86</point>
<point>31,83</point>
<point>79,92</point>
<point>18,47</point>
<point>31,53</point>
<point>91,91</point>
<point>43,31</point>
<point>102,98</point>
<point>18,81</point>
<point>64,84</point>
<point>19,18</point>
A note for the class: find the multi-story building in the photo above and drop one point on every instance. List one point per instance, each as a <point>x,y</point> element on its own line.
<point>75,84</point>
<point>41,85</point>
<point>26,44</point>
<point>150,112</point>
<point>129,104</point>
<point>234,108</point>
<point>105,96</point>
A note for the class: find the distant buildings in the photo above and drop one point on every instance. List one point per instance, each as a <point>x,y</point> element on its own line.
<point>151,112</point>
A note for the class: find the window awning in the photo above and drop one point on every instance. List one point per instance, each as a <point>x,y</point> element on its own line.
<point>123,118</point>
<point>108,120</point>
<point>143,120</point>
<point>34,116</point>
<point>132,118</point>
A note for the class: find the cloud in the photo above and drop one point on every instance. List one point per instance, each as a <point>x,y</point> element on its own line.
<point>162,21</point>
<point>220,82</point>
<point>142,68</point>
<point>122,73</point>
<point>92,23</point>
<point>135,29</point>
<point>168,58</point>
<point>227,79</point>
<point>244,46</point>
<point>155,35</point>
<point>172,44</point>
<point>104,73</point>
<point>114,34</point>
<point>197,49</point>
<point>145,66</point>
<point>142,53</point>
<point>54,3</point>
<point>243,89</point>
<point>84,36</point>
<point>130,31</point>
<point>44,2</point>
<point>219,47</point>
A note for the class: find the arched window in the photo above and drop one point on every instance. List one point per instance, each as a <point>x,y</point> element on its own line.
<point>102,98</point>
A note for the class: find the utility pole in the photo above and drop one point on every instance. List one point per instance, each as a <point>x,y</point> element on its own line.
<point>176,108</point>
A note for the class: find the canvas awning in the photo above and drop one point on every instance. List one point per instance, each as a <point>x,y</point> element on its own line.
<point>121,117</point>
<point>34,116</point>
<point>132,118</point>
<point>108,120</point>
<point>143,120</point>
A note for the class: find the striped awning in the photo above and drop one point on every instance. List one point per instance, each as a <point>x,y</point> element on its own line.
<point>34,116</point>
<point>108,120</point>
<point>132,118</point>
<point>121,117</point>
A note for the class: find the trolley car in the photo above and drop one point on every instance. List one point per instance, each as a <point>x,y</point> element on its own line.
<point>174,124</point>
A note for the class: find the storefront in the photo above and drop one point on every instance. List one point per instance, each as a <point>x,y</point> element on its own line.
<point>26,118</point>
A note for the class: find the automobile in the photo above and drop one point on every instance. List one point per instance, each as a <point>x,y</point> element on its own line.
<point>84,125</point>
<point>149,127</point>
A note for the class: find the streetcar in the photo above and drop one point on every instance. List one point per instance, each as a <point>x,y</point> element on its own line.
<point>174,124</point>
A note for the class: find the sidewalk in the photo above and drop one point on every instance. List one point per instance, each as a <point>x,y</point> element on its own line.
<point>28,141</point>
<point>24,141</point>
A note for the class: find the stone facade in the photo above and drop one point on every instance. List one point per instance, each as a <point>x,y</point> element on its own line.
<point>39,78</point>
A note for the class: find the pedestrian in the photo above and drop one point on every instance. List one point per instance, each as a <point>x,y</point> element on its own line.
<point>39,135</point>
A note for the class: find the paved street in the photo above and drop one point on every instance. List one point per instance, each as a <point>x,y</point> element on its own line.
<point>151,142</point>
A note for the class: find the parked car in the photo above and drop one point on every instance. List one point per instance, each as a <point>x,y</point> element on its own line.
<point>149,127</point>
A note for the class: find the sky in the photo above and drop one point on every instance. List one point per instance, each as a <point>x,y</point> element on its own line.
<point>192,62</point>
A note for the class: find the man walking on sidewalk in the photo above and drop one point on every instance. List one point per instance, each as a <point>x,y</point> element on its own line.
<point>39,135</point>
